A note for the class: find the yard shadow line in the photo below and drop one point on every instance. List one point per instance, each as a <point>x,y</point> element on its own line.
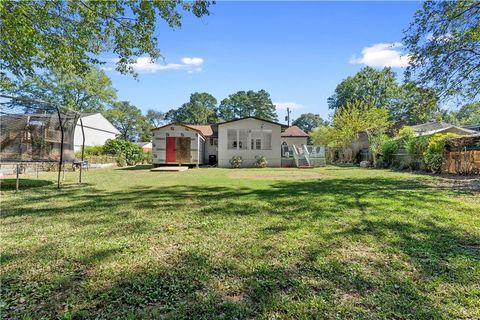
<point>24,184</point>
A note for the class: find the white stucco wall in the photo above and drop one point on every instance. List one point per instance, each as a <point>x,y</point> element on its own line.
<point>159,143</point>
<point>224,154</point>
<point>298,141</point>
<point>97,131</point>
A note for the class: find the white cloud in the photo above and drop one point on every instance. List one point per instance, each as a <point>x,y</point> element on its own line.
<point>285,105</point>
<point>192,61</point>
<point>146,65</point>
<point>383,55</point>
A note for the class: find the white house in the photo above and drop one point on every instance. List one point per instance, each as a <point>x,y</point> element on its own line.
<point>185,144</point>
<point>97,130</point>
<point>247,138</point>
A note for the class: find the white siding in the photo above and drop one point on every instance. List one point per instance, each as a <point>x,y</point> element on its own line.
<point>248,155</point>
<point>97,131</point>
<point>210,149</point>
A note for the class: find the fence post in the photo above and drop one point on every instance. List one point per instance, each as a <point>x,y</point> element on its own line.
<point>17,182</point>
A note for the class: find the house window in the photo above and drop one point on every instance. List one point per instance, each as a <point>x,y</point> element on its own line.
<point>242,139</point>
<point>213,142</point>
<point>232,138</point>
<point>267,140</point>
<point>256,144</point>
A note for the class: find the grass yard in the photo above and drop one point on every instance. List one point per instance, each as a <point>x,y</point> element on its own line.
<point>325,243</point>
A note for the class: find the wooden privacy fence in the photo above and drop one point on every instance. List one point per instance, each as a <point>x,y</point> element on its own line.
<point>463,162</point>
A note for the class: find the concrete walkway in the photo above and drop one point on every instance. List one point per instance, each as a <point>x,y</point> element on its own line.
<point>170,169</point>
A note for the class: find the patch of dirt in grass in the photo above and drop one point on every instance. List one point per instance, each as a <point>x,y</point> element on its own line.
<point>460,183</point>
<point>294,174</point>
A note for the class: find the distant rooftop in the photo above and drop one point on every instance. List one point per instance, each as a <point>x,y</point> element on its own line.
<point>294,131</point>
<point>439,126</point>
<point>205,129</point>
<point>432,125</point>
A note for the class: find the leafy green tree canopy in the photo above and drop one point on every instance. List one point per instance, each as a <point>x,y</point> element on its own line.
<point>443,42</point>
<point>356,117</point>
<point>92,92</point>
<point>308,121</point>
<point>248,104</point>
<point>414,104</point>
<point>468,114</point>
<point>155,118</point>
<point>58,34</point>
<point>201,109</point>
<point>128,119</point>
<point>408,103</point>
<point>371,86</point>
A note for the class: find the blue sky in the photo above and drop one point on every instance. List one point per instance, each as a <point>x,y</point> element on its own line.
<point>297,51</point>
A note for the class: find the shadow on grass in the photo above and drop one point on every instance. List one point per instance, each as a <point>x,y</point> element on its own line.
<point>10,184</point>
<point>194,284</point>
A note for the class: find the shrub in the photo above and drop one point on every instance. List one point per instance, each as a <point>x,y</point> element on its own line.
<point>148,157</point>
<point>414,146</point>
<point>434,155</point>
<point>89,151</point>
<point>132,153</point>
<point>121,162</point>
<point>236,162</point>
<point>388,149</point>
<point>261,162</point>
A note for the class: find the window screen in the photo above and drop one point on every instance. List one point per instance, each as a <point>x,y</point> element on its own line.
<point>267,140</point>
<point>232,139</point>
<point>242,139</point>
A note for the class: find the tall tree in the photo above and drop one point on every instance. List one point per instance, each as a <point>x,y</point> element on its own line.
<point>468,114</point>
<point>357,117</point>
<point>54,34</point>
<point>92,92</point>
<point>444,47</point>
<point>155,118</point>
<point>309,121</point>
<point>375,87</point>
<point>414,104</point>
<point>128,119</point>
<point>201,109</point>
<point>248,103</point>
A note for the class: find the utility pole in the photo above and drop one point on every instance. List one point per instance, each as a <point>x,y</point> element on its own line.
<point>287,117</point>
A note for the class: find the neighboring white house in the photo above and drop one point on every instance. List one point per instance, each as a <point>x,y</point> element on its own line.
<point>97,130</point>
<point>146,146</point>
<point>429,128</point>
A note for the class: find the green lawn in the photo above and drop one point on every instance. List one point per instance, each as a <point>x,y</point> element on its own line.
<point>325,243</point>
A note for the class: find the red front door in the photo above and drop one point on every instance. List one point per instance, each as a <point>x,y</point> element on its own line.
<point>170,149</point>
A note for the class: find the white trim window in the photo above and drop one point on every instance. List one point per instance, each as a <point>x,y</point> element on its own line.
<point>256,144</point>
<point>232,139</point>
